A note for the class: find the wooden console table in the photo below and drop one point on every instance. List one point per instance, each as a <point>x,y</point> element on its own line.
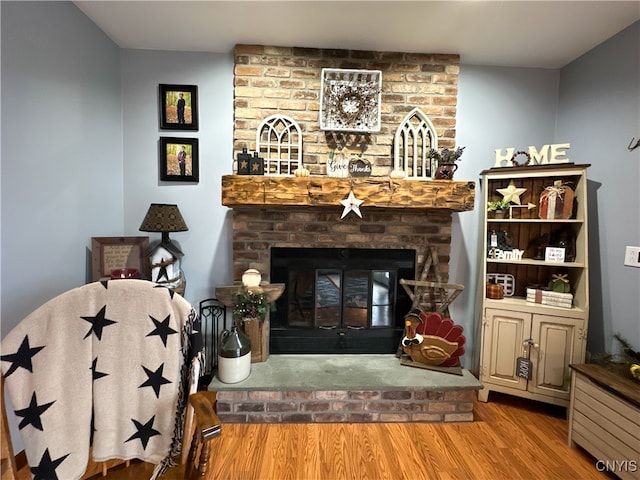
<point>258,332</point>
<point>604,418</point>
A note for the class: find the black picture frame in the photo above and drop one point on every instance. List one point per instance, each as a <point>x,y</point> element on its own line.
<point>170,95</point>
<point>169,163</point>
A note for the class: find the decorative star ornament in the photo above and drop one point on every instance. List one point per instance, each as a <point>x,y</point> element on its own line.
<point>512,193</point>
<point>351,204</point>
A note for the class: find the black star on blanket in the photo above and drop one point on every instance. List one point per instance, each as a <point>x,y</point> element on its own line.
<point>70,386</point>
<point>98,322</point>
<point>31,414</point>
<point>145,432</point>
<point>22,358</point>
<point>163,330</point>
<point>46,469</point>
<point>155,380</point>
<point>95,374</point>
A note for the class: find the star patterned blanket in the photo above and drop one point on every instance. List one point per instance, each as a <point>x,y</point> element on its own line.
<point>104,365</point>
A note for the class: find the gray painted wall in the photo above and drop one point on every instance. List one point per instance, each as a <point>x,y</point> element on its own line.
<point>207,244</point>
<point>497,108</point>
<point>62,171</point>
<point>61,165</point>
<point>599,114</point>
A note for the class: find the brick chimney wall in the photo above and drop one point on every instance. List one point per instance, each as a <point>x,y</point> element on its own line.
<point>286,80</point>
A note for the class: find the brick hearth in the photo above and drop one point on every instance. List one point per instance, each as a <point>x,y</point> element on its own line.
<point>345,388</point>
<point>334,406</point>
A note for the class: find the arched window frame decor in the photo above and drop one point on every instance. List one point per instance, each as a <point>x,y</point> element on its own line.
<point>279,143</point>
<point>412,143</point>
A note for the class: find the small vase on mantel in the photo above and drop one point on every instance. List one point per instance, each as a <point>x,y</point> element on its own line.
<point>445,171</point>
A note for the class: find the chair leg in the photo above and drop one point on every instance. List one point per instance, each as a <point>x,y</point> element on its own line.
<point>193,454</point>
<point>203,464</point>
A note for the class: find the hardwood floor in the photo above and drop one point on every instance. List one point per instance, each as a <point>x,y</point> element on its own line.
<point>511,439</point>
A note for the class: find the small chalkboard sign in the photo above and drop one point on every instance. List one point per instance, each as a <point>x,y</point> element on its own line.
<point>359,167</point>
<point>523,368</point>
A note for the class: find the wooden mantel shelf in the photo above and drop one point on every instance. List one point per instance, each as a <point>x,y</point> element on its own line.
<point>240,191</point>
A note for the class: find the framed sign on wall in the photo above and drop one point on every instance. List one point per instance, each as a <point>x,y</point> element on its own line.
<point>112,253</point>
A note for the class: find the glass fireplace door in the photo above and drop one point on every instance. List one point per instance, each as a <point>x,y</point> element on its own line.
<point>339,300</point>
<point>328,298</point>
<point>357,294</point>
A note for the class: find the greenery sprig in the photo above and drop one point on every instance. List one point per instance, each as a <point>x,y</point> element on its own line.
<point>250,304</point>
<point>446,155</point>
<point>498,205</point>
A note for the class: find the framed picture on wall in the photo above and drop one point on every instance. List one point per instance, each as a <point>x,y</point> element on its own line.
<point>179,159</point>
<point>178,107</point>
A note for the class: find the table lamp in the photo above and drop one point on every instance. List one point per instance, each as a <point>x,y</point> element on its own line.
<point>165,257</point>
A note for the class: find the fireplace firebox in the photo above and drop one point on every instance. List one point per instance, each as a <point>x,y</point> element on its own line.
<point>339,300</point>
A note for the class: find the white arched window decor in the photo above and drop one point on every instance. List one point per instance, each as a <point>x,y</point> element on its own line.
<point>279,142</point>
<point>415,137</point>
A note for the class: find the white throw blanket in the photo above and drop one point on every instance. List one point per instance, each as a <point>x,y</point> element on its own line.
<point>107,365</point>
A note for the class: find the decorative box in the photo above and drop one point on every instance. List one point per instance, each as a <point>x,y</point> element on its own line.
<point>256,165</point>
<point>556,202</point>
<point>546,297</point>
<point>243,162</point>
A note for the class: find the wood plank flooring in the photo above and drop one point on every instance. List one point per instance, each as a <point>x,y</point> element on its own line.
<point>511,439</point>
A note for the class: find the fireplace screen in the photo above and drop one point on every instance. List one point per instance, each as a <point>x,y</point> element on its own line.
<point>339,300</point>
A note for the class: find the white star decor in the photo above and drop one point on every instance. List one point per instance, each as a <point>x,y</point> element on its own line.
<point>351,204</point>
<point>512,193</point>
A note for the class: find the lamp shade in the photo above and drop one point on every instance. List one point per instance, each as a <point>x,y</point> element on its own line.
<point>162,217</point>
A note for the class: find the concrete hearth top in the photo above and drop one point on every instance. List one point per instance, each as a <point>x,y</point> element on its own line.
<point>345,372</point>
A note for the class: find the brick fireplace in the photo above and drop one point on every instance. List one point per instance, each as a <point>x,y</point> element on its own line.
<point>256,232</point>
<point>297,212</point>
<point>275,79</point>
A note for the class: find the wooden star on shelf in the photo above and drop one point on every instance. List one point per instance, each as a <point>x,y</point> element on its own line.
<point>351,204</point>
<point>511,193</point>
